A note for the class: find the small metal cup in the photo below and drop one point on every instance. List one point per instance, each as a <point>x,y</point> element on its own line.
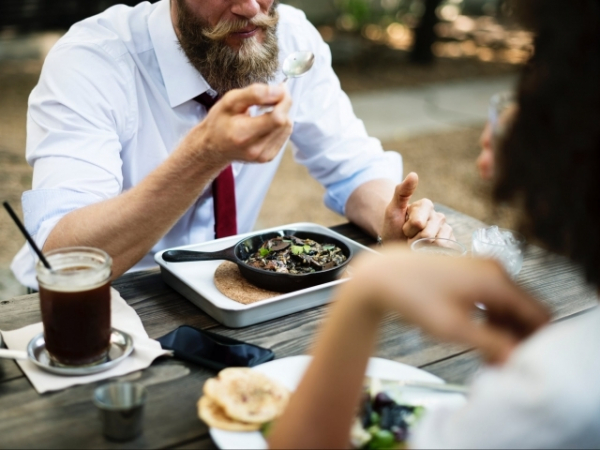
<point>121,406</point>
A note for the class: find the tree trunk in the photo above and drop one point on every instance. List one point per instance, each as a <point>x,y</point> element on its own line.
<point>425,36</point>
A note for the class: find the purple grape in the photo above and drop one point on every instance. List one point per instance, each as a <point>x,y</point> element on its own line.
<point>400,433</point>
<point>366,410</point>
<point>382,400</point>
<point>386,417</point>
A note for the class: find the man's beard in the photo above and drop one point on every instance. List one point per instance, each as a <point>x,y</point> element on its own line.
<point>223,67</point>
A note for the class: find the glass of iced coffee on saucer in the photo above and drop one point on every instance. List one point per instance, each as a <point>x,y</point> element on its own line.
<point>75,304</point>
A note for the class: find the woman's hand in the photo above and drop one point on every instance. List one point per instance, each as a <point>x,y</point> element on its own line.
<point>439,294</point>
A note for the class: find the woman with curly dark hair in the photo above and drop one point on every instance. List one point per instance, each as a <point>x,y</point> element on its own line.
<point>541,388</point>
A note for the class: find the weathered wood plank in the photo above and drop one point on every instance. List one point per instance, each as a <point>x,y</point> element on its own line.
<point>68,419</point>
<point>20,405</point>
<point>458,369</point>
<point>9,370</point>
<point>556,282</point>
<point>202,443</point>
<point>161,308</point>
<point>20,311</point>
<point>295,334</point>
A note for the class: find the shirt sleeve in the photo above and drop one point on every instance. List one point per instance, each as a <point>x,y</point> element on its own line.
<point>328,138</point>
<point>79,115</point>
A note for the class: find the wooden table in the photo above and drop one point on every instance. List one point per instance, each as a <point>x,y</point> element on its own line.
<point>68,419</point>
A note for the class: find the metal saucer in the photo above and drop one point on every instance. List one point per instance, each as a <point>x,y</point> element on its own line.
<point>121,346</point>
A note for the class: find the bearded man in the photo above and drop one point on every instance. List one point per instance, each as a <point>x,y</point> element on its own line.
<point>131,156</point>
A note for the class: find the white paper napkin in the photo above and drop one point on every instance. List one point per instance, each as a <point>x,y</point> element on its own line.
<point>123,317</point>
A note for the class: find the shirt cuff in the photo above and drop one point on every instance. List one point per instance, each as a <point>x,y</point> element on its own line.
<point>387,166</point>
<point>42,205</point>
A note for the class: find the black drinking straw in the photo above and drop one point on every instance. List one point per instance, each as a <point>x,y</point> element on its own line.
<point>27,236</point>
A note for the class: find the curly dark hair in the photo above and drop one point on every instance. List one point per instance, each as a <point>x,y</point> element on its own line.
<point>550,160</point>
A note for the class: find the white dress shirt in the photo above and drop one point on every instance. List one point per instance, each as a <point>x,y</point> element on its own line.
<point>546,396</point>
<point>115,98</point>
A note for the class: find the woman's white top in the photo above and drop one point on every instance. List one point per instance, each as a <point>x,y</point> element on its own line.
<point>546,396</point>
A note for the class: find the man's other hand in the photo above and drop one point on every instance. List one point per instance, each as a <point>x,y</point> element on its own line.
<point>411,221</point>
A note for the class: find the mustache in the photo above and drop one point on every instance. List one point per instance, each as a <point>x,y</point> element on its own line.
<point>224,28</point>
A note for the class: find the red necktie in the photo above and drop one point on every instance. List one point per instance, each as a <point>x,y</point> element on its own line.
<point>223,188</point>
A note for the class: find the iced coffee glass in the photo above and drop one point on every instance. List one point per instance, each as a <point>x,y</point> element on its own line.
<point>75,304</point>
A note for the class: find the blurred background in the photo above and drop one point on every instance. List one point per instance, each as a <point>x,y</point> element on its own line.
<point>419,73</point>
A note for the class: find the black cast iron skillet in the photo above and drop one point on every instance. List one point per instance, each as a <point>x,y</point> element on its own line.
<point>273,281</point>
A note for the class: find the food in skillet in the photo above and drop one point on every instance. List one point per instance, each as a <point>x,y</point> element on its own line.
<point>290,254</point>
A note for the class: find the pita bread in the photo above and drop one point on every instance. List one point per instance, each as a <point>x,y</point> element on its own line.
<point>214,416</point>
<point>247,395</point>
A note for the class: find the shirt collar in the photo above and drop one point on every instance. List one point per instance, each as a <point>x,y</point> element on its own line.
<point>182,81</point>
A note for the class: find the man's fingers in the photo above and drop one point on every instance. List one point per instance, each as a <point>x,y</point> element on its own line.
<point>276,119</point>
<point>258,131</point>
<point>405,190</point>
<point>238,101</point>
<point>419,214</point>
<point>271,130</point>
<point>272,144</point>
<point>446,232</point>
<point>433,226</point>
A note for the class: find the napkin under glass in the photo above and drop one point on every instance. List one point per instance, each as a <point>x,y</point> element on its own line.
<point>123,318</point>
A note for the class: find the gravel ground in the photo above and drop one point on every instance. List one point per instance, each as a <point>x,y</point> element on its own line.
<point>445,162</point>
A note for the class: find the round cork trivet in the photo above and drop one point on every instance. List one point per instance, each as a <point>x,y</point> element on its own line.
<point>232,284</point>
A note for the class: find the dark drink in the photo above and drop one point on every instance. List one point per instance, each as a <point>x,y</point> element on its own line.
<point>76,324</point>
<point>75,304</point>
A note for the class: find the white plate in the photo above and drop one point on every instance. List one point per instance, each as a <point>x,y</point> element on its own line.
<point>289,371</point>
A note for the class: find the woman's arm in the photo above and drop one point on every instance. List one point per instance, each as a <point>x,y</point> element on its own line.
<point>322,409</point>
<point>436,293</point>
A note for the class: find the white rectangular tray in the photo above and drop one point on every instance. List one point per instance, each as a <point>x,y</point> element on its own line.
<point>194,280</point>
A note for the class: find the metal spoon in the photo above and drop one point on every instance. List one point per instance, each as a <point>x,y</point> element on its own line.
<point>12,354</point>
<point>295,65</point>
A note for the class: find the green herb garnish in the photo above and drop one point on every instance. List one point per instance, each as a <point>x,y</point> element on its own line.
<point>297,249</point>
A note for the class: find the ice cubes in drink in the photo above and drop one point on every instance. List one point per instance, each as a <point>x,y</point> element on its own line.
<point>503,245</point>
